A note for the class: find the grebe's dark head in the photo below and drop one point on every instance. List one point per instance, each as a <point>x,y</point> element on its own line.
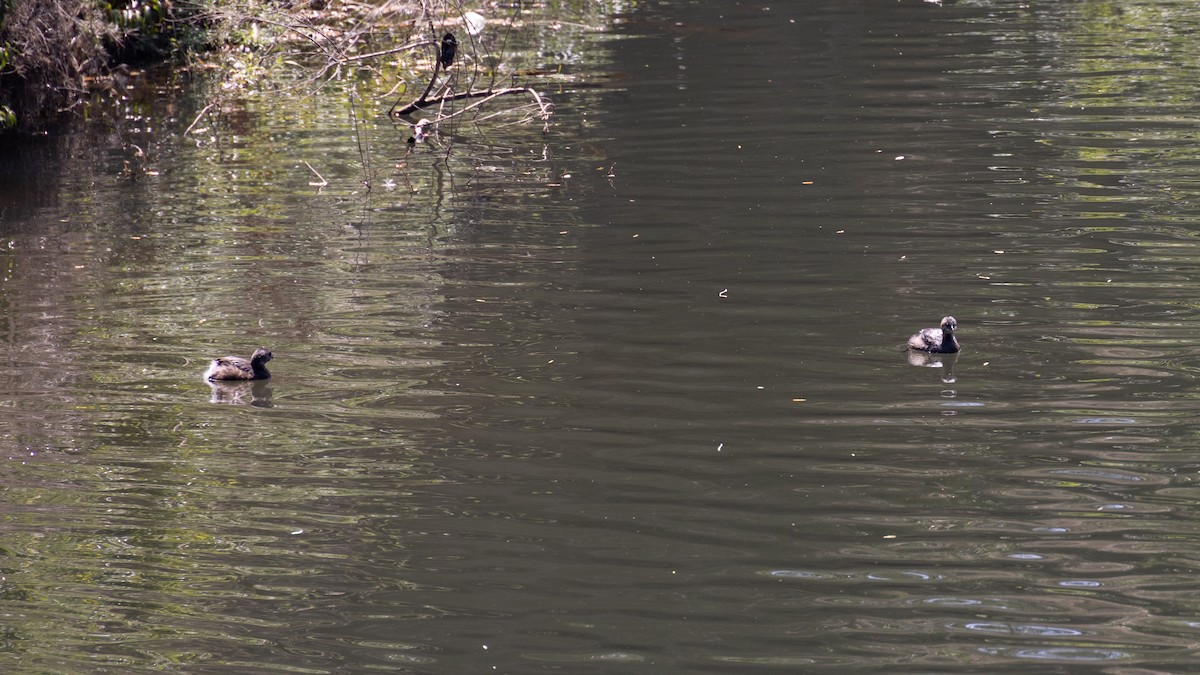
<point>948,324</point>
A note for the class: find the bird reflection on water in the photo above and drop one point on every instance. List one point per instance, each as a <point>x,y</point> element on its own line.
<point>242,392</point>
<point>934,360</point>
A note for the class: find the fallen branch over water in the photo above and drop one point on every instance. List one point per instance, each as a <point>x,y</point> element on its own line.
<point>485,94</point>
<point>443,59</point>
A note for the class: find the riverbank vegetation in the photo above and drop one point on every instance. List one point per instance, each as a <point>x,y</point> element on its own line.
<point>53,51</point>
<point>55,55</point>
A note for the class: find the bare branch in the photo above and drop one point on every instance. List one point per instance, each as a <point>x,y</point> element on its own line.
<point>486,94</point>
<point>402,48</point>
<point>198,117</point>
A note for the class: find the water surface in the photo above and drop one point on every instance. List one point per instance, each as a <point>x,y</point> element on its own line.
<point>630,396</point>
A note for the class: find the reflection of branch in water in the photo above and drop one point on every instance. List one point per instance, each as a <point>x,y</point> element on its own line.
<point>246,392</point>
<point>423,128</point>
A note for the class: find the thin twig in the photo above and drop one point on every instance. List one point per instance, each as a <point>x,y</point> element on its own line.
<point>363,152</point>
<point>544,110</point>
<point>323,182</point>
<point>403,48</point>
<point>437,68</point>
<point>197,120</point>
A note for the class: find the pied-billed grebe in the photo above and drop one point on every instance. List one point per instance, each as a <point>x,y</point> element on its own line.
<point>939,340</point>
<point>237,368</point>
